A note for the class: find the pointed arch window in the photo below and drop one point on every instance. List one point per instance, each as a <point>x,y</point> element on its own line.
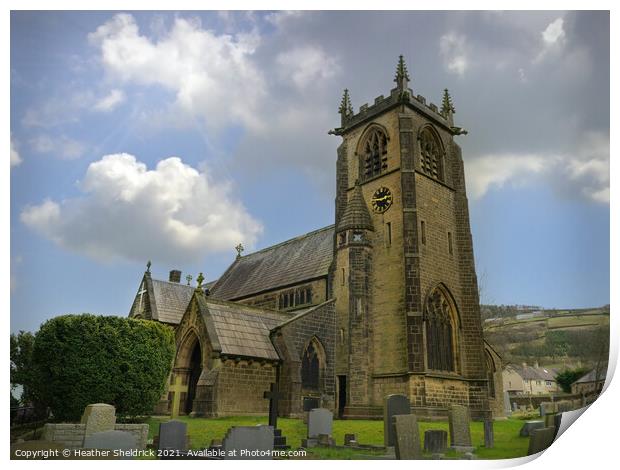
<point>439,328</point>
<point>310,371</point>
<point>431,154</point>
<point>374,153</point>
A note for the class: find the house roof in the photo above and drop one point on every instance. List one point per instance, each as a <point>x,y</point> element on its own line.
<point>291,262</point>
<point>171,299</point>
<point>592,376</point>
<point>535,373</point>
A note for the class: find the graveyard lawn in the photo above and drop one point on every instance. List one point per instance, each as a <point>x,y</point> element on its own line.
<point>508,443</point>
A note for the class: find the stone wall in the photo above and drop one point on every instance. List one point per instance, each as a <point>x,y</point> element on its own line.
<point>72,435</point>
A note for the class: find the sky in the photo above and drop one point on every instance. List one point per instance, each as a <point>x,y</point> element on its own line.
<point>174,136</point>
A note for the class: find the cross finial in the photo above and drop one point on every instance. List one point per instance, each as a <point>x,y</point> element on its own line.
<point>239,249</point>
<point>447,107</point>
<point>148,266</point>
<point>199,280</point>
<point>402,76</point>
<point>345,109</point>
<point>189,279</point>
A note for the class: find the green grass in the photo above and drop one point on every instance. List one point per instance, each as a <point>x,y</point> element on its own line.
<point>508,444</point>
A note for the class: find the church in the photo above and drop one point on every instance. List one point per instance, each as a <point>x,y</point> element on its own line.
<point>384,301</point>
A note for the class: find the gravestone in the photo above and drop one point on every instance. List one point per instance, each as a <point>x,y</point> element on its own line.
<point>507,407</point>
<point>435,441</point>
<point>489,438</point>
<point>460,436</point>
<point>394,405</point>
<point>540,439</point>
<point>98,417</point>
<point>515,407</point>
<point>173,436</point>
<point>248,443</point>
<point>111,440</point>
<point>348,438</point>
<point>550,420</point>
<point>407,437</point>
<point>529,426</point>
<point>320,421</point>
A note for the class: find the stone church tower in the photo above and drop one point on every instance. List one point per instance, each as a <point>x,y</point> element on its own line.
<point>403,275</point>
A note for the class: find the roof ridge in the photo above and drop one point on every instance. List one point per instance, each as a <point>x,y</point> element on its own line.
<point>173,283</point>
<point>289,240</point>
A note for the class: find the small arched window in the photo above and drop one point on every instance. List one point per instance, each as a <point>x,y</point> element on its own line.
<point>439,329</point>
<point>431,154</point>
<point>310,368</point>
<point>374,153</point>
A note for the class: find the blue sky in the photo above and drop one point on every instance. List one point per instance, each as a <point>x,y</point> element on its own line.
<point>175,136</point>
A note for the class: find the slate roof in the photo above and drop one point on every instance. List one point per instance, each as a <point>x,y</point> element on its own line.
<point>242,330</point>
<point>591,376</point>
<point>535,373</point>
<point>171,300</point>
<point>293,261</point>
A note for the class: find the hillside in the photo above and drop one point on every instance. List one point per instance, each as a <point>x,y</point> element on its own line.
<point>560,338</point>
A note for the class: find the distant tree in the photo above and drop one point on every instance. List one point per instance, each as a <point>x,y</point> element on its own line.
<point>83,359</point>
<point>569,376</point>
<point>22,345</point>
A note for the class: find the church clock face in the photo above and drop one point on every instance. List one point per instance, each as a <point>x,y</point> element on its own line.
<point>381,200</point>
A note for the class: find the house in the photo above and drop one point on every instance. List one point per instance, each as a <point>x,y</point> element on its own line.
<point>529,380</point>
<point>592,382</point>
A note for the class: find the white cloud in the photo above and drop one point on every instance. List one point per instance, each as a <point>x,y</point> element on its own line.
<point>582,174</point>
<point>453,50</point>
<point>306,65</point>
<point>553,39</point>
<point>16,159</point>
<point>61,147</point>
<point>110,101</point>
<point>213,76</point>
<point>173,213</point>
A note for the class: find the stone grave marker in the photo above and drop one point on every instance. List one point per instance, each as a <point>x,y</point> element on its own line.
<point>98,417</point>
<point>489,438</point>
<point>394,405</point>
<point>111,440</point>
<point>507,407</point>
<point>348,438</point>
<point>407,437</point>
<point>320,422</point>
<point>460,436</point>
<point>248,443</point>
<point>173,436</point>
<point>540,439</point>
<point>529,426</point>
<point>435,441</point>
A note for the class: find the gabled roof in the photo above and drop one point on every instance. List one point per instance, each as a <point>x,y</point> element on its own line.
<point>171,299</point>
<point>535,373</point>
<point>291,262</point>
<point>592,376</point>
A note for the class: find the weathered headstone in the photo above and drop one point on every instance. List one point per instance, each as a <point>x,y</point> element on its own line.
<point>248,442</point>
<point>550,420</point>
<point>407,437</point>
<point>460,436</point>
<point>529,426</point>
<point>435,441</point>
<point>489,438</point>
<point>507,407</point>
<point>98,417</point>
<point>320,421</point>
<point>173,436</point>
<point>540,439</point>
<point>348,438</point>
<point>394,405</point>
<point>111,440</point>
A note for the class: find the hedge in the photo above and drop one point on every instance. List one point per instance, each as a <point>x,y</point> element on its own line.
<point>84,359</point>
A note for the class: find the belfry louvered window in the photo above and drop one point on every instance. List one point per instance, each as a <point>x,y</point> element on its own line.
<point>431,154</point>
<point>374,157</point>
<point>439,333</point>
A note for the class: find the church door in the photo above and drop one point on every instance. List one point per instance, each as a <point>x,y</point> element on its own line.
<point>342,394</point>
<point>194,374</point>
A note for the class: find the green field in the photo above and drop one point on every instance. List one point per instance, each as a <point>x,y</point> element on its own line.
<point>508,444</point>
